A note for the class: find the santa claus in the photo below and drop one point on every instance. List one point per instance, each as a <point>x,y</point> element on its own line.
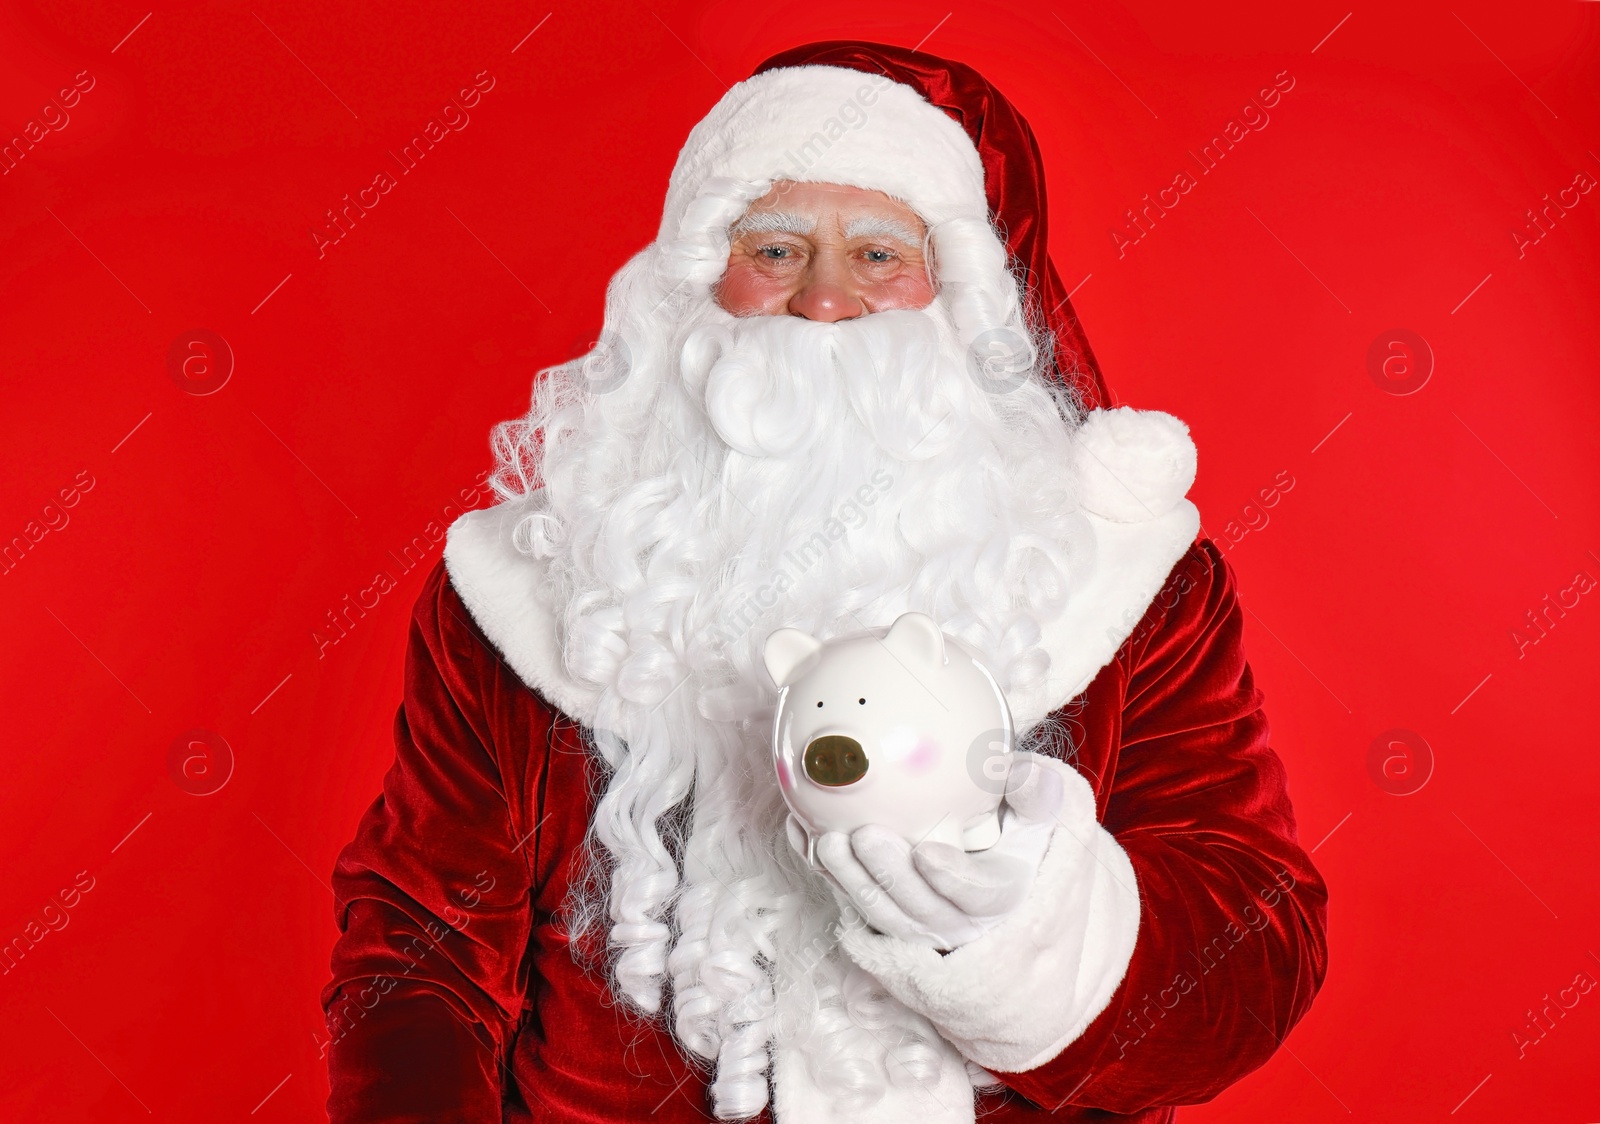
<point>843,383</point>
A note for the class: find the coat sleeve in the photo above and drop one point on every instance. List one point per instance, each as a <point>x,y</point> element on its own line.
<point>433,896</point>
<point>1232,945</point>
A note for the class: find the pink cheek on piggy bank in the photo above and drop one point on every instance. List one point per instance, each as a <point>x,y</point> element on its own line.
<point>923,756</point>
<point>784,779</point>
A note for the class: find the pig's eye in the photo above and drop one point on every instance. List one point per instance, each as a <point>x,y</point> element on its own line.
<point>819,702</point>
<point>863,702</point>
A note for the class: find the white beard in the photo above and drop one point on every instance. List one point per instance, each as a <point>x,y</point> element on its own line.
<point>745,475</point>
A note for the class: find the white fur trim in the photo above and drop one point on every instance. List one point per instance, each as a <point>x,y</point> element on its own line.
<point>829,124</point>
<point>503,590</point>
<point>797,1100</point>
<point>1021,993</point>
<point>1131,562</point>
<point>1126,566</point>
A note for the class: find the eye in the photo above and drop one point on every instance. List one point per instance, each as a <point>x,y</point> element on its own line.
<point>775,253</point>
<point>819,702</point>
<point>863,702</point>
<point>879,257</point>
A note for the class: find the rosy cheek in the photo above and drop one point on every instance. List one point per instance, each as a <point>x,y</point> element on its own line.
<point>909,290</point>
<point>784,779</point>
<point>745,290</point>
<point>923,756</point>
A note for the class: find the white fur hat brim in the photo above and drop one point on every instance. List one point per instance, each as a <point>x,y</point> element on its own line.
<point>829,124</point>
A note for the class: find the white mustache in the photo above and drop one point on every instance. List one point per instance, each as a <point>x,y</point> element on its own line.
<point>773,385</point>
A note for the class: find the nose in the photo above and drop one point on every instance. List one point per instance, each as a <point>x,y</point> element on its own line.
<point>828,290</point>
<point>827,302</point>
<point>835,760</point>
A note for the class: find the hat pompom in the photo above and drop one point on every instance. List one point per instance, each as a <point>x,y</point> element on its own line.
<point>1134,465</point>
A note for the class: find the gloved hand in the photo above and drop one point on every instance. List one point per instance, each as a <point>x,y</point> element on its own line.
<point>934,894</point>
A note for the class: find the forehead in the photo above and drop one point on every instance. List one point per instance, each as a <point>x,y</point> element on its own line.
<point>835,205</point>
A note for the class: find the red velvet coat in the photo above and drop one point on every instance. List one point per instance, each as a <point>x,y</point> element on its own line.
<point>455,997</point>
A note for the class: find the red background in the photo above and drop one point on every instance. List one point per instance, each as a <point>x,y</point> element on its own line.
<point>186,586</point>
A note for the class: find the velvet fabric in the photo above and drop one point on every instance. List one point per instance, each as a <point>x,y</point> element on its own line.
<point>455,995</point>
<point>1013,180</point>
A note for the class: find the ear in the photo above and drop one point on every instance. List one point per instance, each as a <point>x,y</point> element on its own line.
<point>916,638</point>
<point>789,653</point>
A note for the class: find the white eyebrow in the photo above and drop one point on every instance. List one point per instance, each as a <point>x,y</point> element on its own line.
<point>877,226</point>
<point>774,222</point>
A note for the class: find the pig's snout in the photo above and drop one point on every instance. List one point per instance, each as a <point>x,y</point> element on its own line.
<point>835,760</point>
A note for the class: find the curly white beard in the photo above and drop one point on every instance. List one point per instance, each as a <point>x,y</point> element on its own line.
<point>748,474</point>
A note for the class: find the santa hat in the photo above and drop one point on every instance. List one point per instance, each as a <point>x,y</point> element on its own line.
<point>930,132</point>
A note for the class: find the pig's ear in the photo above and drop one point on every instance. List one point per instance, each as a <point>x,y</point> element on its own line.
<point>789,654</point>
<point>916,639</point>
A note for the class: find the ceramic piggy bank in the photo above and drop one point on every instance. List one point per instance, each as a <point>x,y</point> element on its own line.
<point>901,727</point>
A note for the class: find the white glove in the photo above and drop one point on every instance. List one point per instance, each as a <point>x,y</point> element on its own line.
<point>936,895</point>
<point>1014,997</point>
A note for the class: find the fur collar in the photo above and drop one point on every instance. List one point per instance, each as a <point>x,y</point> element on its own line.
<point>1136,467</point>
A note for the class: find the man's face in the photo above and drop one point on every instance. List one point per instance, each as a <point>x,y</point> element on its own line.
<point>826,252</point>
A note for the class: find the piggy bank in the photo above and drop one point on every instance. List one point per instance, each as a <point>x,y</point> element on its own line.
<point>902,727</point>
